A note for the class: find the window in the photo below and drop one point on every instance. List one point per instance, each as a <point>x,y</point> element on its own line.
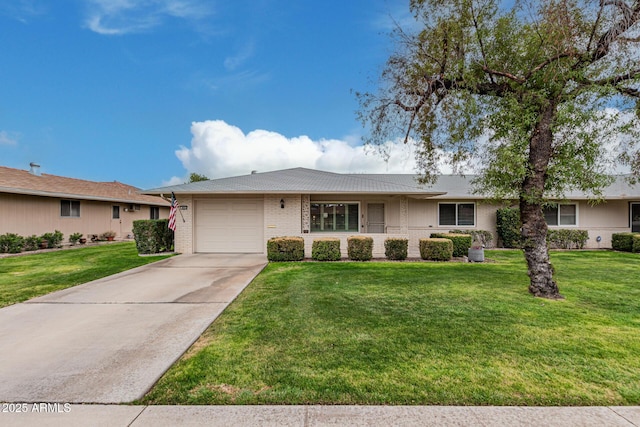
<point>335,217</point>
<point>154,212</point>
<point>457,214</point>
<point>70,208</point>
<point>561,215</point>
<point>116,212</point>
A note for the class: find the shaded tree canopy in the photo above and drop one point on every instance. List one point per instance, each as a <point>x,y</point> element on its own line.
<point>541,97</point>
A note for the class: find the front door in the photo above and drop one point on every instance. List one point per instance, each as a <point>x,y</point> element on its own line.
<point>375,218</point>
<point>635,217</point>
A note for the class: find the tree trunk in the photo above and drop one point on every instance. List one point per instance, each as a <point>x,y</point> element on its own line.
<point>534,226</point>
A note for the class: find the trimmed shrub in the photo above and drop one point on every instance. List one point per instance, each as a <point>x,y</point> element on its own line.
<point>326,249</point>
<point>567,239</point>
<point>74,237</point>
<point>285,249</point>
<point>622,241</point>
<point>461,242</point>
<point>485,237</point>
<point>508,227</point>
<point>635,247</point>
<point>436,249</point>
<point>396,248</point>
<point>360,248</point>
<point>153,236</point>
<point>11,243</point>
<point>31,243</point>
<point>54,239</point>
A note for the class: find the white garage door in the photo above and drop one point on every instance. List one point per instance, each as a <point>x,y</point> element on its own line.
<point>229,226</point>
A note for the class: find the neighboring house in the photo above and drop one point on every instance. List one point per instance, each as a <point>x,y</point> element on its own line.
<point>239,214</point>
<point>35,203</point>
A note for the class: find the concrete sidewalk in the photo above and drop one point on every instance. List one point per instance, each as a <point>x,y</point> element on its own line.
<point>229,416</point>
<point>110,340</point>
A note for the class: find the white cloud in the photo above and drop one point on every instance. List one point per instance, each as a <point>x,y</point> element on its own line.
<point>219,150</point>
<point>23,10</point>
<point>8,138</point>
<point>118,17</point>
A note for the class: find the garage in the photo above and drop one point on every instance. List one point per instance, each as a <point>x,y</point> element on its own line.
<point>229,226</point>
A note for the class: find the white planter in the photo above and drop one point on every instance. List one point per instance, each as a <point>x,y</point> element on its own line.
<point>476,255</point>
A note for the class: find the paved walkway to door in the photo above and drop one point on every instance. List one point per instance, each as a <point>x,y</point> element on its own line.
<point>110,340</point>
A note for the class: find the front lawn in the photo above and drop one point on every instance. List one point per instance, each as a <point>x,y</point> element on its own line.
<point>28,276</point>
<point>421,333</point>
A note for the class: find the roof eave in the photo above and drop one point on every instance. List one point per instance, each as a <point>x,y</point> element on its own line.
<point>415,195</point>
<point>28,192</point>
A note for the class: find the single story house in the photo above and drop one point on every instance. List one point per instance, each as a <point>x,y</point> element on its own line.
<point>36,203</point>
<point>239,214</point>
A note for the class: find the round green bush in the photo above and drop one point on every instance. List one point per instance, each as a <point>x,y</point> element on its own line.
<point>327,249</point>
<point>396,248</point>
<point>436,249</point>
<point>285,249</point>
<point>360,248</point>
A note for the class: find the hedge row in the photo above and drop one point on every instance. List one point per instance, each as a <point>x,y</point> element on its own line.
<point>360,248</point>
<point>626,242</point>
<point>461,242</point>
<point>567,239</point>
<point>13,243</point>
<point>153,236</point>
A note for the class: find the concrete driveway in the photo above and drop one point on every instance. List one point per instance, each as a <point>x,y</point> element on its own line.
<point>110,340</point>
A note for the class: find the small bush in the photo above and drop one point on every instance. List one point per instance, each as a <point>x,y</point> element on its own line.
<point>508,227</point>
<point>635,247</point>
<point>11,243</point>
<point>74,237</point>
<point>54,239</point>
<point>567,239</point>
<point>285,249</point>
<point>622,242</point>
<point>360,248</point>
<point>436,249</point>
<point>327,249</point>
<point>395,248</point>
<point>485,237</point>
<point>461,242</point>
<point>32,243</point>
<point>153,236</point>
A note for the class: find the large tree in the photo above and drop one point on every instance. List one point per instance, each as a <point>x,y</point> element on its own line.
<point>533,94</point>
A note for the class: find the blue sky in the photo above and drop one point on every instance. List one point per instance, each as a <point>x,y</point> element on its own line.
<point>147,91</point>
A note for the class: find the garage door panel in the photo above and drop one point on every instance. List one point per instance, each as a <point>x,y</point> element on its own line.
<point>229,226</point>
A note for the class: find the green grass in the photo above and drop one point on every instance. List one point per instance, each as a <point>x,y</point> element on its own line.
<point>28,276</point>
<point>421,333</point>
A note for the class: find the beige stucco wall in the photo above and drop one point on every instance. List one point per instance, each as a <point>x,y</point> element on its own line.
<point>602,220</point>
<point>28,215</point>
<point>421,220</point>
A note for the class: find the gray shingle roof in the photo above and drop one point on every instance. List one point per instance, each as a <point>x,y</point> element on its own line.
<point>300,180</point>
<point>310,181</point>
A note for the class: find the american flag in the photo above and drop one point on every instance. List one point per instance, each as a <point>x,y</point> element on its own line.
<point>172,212</point>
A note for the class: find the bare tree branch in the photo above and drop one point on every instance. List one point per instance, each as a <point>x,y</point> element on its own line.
<point>503,74</point>
<point>548,61</point>
<point>630,17</point>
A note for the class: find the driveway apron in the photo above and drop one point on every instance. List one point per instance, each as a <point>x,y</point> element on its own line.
<point>110,340</point>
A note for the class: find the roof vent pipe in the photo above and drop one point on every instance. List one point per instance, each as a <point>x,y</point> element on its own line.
<point>35,169</point>
<point>254,172</point>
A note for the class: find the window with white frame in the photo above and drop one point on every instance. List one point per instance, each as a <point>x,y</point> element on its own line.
<point>561,215</point>
<point>70,208</point>
<point>338,216</point>
<point>457,214</point>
